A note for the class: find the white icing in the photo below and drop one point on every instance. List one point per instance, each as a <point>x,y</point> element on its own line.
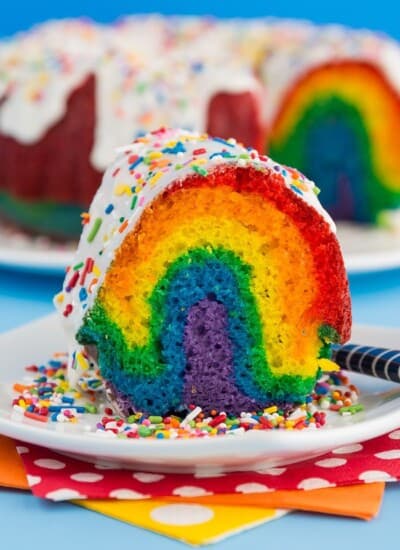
<point>43,68</point>
<point>299,48</point>
<point>144,70</point>
<point>136,94</point>
<point>390,61</point>
<point>103,247</point>
<point>171,98</point>
<point>27,121</point>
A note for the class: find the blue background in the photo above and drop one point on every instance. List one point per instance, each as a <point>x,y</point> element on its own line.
<point>24,296</point>
<point>382,15</point>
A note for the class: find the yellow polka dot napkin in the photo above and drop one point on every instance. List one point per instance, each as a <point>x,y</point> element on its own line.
<point>189,522</point>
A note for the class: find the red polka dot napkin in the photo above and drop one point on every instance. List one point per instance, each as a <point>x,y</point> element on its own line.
<point>56,477</point>
<point>360,501</point>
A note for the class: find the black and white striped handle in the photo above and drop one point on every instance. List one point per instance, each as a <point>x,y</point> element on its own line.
<point>379,362</point>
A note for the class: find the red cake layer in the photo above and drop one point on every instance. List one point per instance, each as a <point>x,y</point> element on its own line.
<point>57,167</point>
<point>238,116</point>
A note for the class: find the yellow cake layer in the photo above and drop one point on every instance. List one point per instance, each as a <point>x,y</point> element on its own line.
<point>283,279</point>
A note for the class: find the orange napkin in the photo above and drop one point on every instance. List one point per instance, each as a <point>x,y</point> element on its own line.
<point>361,501</point>
<point>12,472</point>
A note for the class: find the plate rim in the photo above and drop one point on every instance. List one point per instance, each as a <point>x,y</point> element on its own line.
<point>113,448</point>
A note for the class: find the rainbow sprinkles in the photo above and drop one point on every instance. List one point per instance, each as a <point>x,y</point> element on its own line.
<point>207,275</point>
<point>47,397</point>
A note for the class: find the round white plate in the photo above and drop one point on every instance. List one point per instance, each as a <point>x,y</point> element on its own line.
<point>36,342</point>
<point>365,249</point>
<point>33,254</point>
<point>368,248</point>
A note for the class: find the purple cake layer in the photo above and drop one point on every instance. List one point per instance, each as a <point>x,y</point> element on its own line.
<point>209,370</point>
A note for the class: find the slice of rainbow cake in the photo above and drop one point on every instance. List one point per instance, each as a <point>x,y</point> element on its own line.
<point>206,275</point>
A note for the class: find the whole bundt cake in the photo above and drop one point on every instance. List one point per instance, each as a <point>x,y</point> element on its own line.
<point>324,99</point>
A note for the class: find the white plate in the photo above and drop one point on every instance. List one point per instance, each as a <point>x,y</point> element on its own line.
<point>33,254</point>
<point>365,249</point>
<point>40,261</point>
<point>368,248</point>
<point>36,342</point>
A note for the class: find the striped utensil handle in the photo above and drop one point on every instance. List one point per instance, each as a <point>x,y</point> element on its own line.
<point>379,362</point>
